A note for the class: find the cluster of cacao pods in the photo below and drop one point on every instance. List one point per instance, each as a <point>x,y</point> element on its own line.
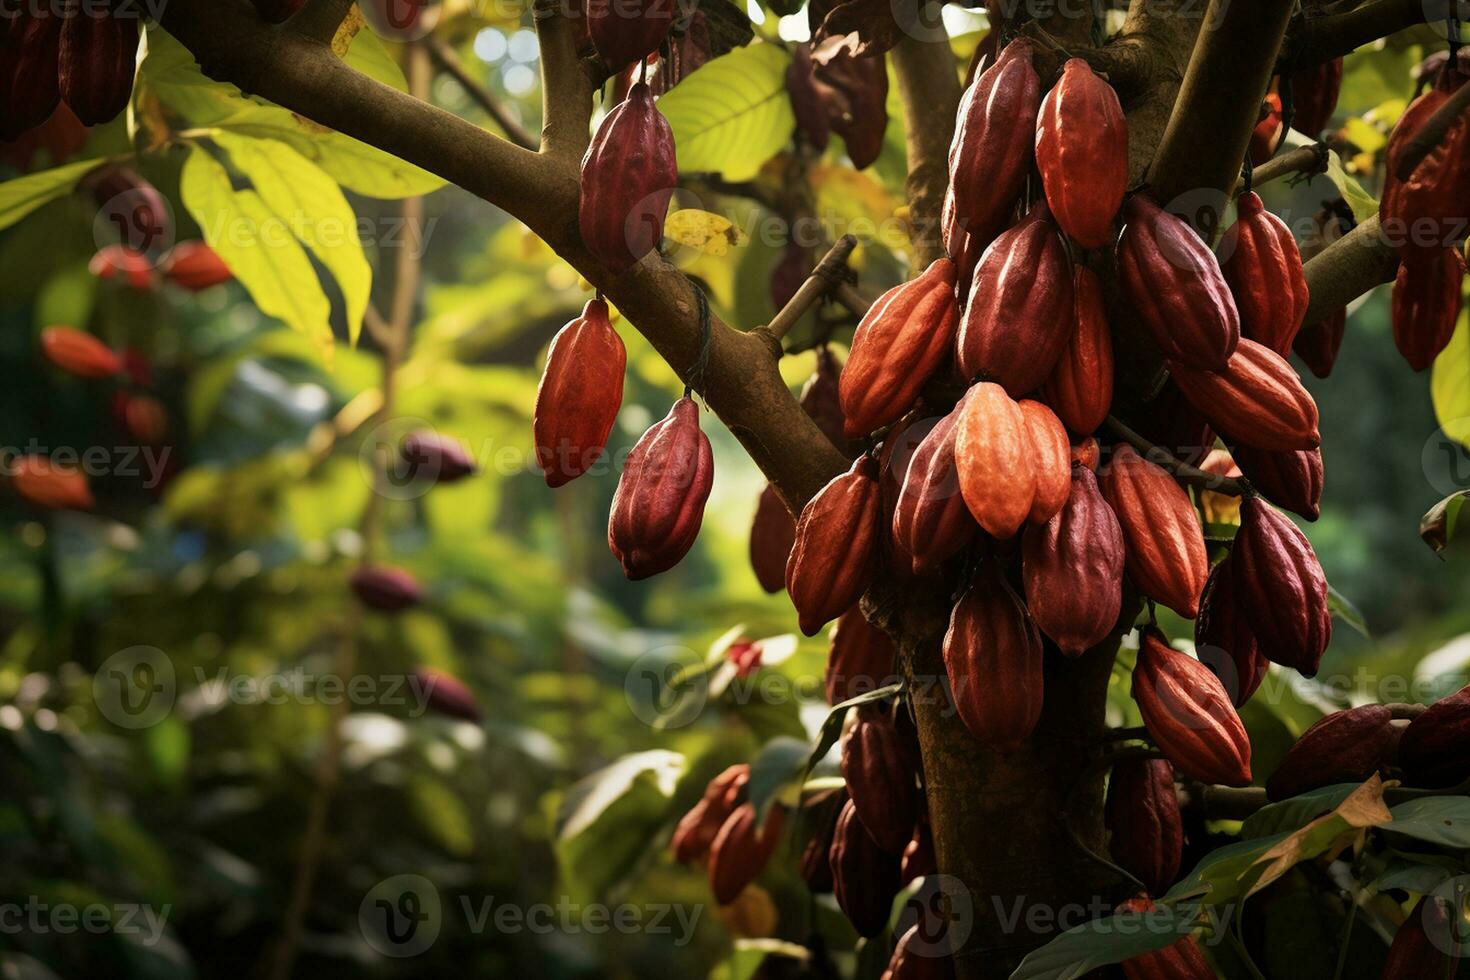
<point>82,54</point>
<point>724,832</point>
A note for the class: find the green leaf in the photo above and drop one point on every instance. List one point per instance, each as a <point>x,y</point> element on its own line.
<point>732,114</point>
<point>1344,610</point>
<point>21,196</point>
<point>1295,812</point>
<point>1442,820</point>
<point>1364,205</point>
<point>832,724</point>
<point>1101,942</point>
<point>780,766</point>
<point>1441,522</point>
<point>1449,383</point>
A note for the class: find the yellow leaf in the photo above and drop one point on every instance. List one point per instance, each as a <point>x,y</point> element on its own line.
<point>711,233</point>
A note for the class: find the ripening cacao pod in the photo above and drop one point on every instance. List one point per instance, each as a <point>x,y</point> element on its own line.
<point>1432,750</point>
<point>1418,949</point>
<point>1256,400</point>
<point>855,93</point>
<point>994,139</point>
<point>30,49</point>
<point>931,523</point>
<point>1161,531</point>
<point>696,830</point>
<point>918,957</point>
<point>879,765</point>
<point>815,866</point>
<point>628,177</point>
<point>1173,282</point>
<point>1019,315</point>
<point>1343,747</point>
<point>835,553</point>
<point>901,341</point>
<point>123,265</point>
<point>79,353</point>
<point>1423,211</point>
<point>144,417</point>
<point>1426,303</point>
<point>195,266</point>
<point>1181,961</point>
<point>659,504</point>
<point>1288,479</point>
<point>1145,830</point>
<point>1317,343</point>
<point>864,876</point>
<point>385,588</point>
<point>1270,128</point>
<point>97,59</point>
<point>436,458</point>
<point>821,399</point>
<point>808,98</point>
<point>994,458</point>
<point>579,395</point>
<point>49,484</point>
<point>1314,94</point>
<point>1223,640</point>
<point>963,248</point>
<point>1051,460</point>
<point>993,656</point>
<point>447,695</point>
<point>1189,715</point>
<point>1073,569</point>
<point>627,31</point>
<point>918,854</point>
<point>860,658</point>
<point>1080,389</point>
<point>277,11</point>
<point>772,534</point>
<point>740,850</point>
<point>1279,584</point>
<point>1215,505</point>
<point>1082,154</point>
<point>1264,269</point>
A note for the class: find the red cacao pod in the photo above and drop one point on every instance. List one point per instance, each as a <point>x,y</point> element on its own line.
<point>579,395</point>
<point>1019,315</point>
<point>1145,830</point>
<point>821,399</point>
<point>917,957</point>
<point>1174,283</point>
<point>1223,640</point>
<point>447,695</point>
<point>1257,400</point>
<point>993,656</point>
<point>696,830</point>
<point>835,553</point>
<point>385,588</point>
<point>864,876</point>
<point>994,458</point>
<point>879,765</point>
<point>931,523</point>
<point>1317,344</point>
<point>1264,269</point>
<point>901,341</point>
<point>1080,388</point>
<point>918,854</point>
<point>195,266</point>
<point>740,850</point>
<point>994,138</point>
<point>1189,715</point>
<point>658,507</point>
<point>123,265</point>
<point>1343,747</point>
<point>61,136</point>
<point>1181,961</point>
<point>97,58</point>
<point>30,48</point>
<point>627,31</point>
<point>1082,153</point>
<point>277,11</point>
<point>1270,128</point>
<point>962,247</point>
<point>855,92</point>
<point>772,534</point>
<point>1073,569</point>
<point>1288,479</point>
<point>1424,211</point>
<point>628,177</point>
<point>1161,531</point>
<point>1432,750</point>
<point>1051,458</point>
<point>1426,303</point>
<point>1314,93</point>
<point>1279,584</point>
<point>79,353</point>
<point>1418,949</point>
<point>860,658</point>
<point>49,484</point>
<point>436,458</point>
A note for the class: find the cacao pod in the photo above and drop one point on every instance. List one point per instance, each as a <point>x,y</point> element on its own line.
<point>1270,128</point>
<point>696,830</point>
<point>835,553</point>
<point>1080,389</point>
<point>659,504</point>
<point>1181,961</point>
<point>579,395</point>
<point>1288,479</point>
<point>1317,343</point>
<point>915,957</point>
<point>1189,715</point>
<point>1432,750</point>
<point>1146,832</point>
<point>1082,153</point>
<point>1217,507</point>
<point>30,49</point>
<point>277,11</point>
<point>931,523</point>
<point>1343,747</point>
<point>994,137</point>
<point>1161,531</point>
<point>901,341</point>
<point>918,854</point>
<point>1314,94</point>
<point>1051,460</point>
<point>436,458</point>
<point>79,353</point>
<point>740,850</point>
<point>1223,640</point>
<point>994,457</point>
<point>1418,947</point>
<point>143,416</point>
<point>60,136</point>
<point>1264,269</point>
<point>1087,453</point>
<point>1257,400</point>
<point>860,658</point>
<point>864,876</point>
<point>1073,569</point>
<point>1278,582</point>
<point>627,31</point>
<point>821,399</point>
<point>123,265</point>
<point>447,695</point>
<point>1174,283</point>
<point>855,92</point>
<point>772,534</point>
<point>879,765</point>
<point>1020,314</point>
<point>1426,303</point>
<point>385,588</point>
<point>49,484</point>
<point>97,58</point>
<point>815,867</point>
<point>195,266</point>
<point>993,656</point>
<point>1422,212</point>
<point>808,99</point>
<point>628,177</point>
<point>962,247</point>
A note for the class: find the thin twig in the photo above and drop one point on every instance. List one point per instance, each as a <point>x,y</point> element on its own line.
<point>825,279</point>
<point>1223,802</point>
<point>1433,132</point>
<point>446,58</point>
<point>1122,734</point>
<point>1308,160</point>
<point>1182,471</point>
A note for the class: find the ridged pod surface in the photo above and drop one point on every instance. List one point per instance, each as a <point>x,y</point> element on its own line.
<point>97,59</point>
<point>1181,961</point>
<point>79,353</point>
<point>1162,533</point>
<point>994,458</point>
<point>30,47</point>
<point>1080,389</point>
<point>1417,951</point>
<point>1145,830</point>
<point>1314,93</point>
<point>626,31</point>
<point>1421,212</point>
<point>993,656</point>
<point>385,588</point>
<point>993,140</point>
<point>1277,580</point>
<point>1426,303</point>
<point>1072,567</point>
<point>1189,715</point>
<point>931,522</point>
<point>772,533</point>
<point>1173,282</point>
<point>49,484</point>
<point>658,507</point>
<point>880,765</point>
<point>1288,479</point>
<point>1257,400</point>
<point>740,850</point>
<point>1264,269</point>
<point>628,177</point>
<point>696,830</point>
<point>579,395</point>
<point>860,658</point>
<point>1432,750</point>
<point>1019,315</point>
<point>1318,344</point>
<point>864,876</point>
<point>901,341</point>
<point>835,554</point>
<point>1082,153</point>
<point>1223,640</point>
<point>1051,455</point>
<point>1343,747</point>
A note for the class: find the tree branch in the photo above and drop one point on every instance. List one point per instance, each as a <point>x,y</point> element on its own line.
<point>824,280</point>
<point>319,19</point>
<point>1348,268</point>
<point>446,59</point>
<point>1182,471</point>
<point>567,85</point>
<point>1309,160</point>
<point>929,85</point>
<point>1329,36</point>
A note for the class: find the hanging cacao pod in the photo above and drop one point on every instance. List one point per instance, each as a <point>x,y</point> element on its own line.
<point>772,534</point>
<point>97,58</point>
<point>436,458</point>
<point>277,11</point>
<point>1279,584</point>
<point>79,353</point>
<point>1415,952</point>
<point>627,31</point>
<point>740,850</point>
<point>1424,211</point>
<point>808,98</point>
<point>1082,153</point>
<point>628,177</point>
<point>821,399</point>
<point>855,92</point>
<point>1051,460</point>
<point>834,557</point>
<point>30,49</point>
<point>1343,747</point>
<point>144,417</point>
<point>1145,830</point>
<point>659,504</point>
<point>963,248</point>
<point>993,656</point>
<point>1270,128</point>
<point>1181,961</point>
<point>821,813</point>
<point>1314,94</point>
<point>930,520</point>
<point>916,957</point>
<point>1317,344</point>
<point>1019,315</point>
<point>1189,715</point>
<point>918,854</point>
<point>879,765</point>
<point>1264,269</point>
<point>994,138</point>
<point>123,265</point>
<point>1223,640</point>
<point>1161,531</point>
<point>1288,479</point>
<point>61,136</point>
<point>1173,282</point>
<point>195,266</point>
<point>447,695</point>
<point>864,876</point>
<point>1073,569</point>
<point>994,459</point>
<point>49,484</point>
<point>860,658</point>
<point>1080,389</point>
<point>696,830</point>
<point>579,395</point>
<point>1257,400</point>
<point>1432,750</point>
<point>385,589</point>
<point>1426,303</point>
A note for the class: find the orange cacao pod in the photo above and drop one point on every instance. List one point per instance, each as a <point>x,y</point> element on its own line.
<point>49,484</point>
<point>1161,531</point>
<point>821,399</point>
<point>740,850</point>
<point>30,48</point>
<point>1051,457</point>
<point>835,553</point>
<point>1418,947</point>
<point>123,265</point>
<point>1426,303</point>
<point>1264,269</point>
<point>931,523</point>
<point>772,534</point>
<point>879,764</point>
<point>995,460</point>
<point>1432,750</point>
<point>1189,715</point>
<point>916,956</point>
<point>1082,153</point>
<point>1288,479</point>
<point>1145,830</point>
<point>860,658</point>
<point>628,177</point>
<point>1257,400</point>
<point>440,459</point>
<point>627,31</point>
<point>97,58</point>
<point>1087,453</point>
<point>901,340</point>
<point>79,353</point>
<point>864,876</point>
<point>1317,344</point>
<point>1073,569</point>
<point>1080,388</point>
<point>993,656</point>
<point>696,830</point>
<point>1174,283</point>
<point>993,139</point>
<point>579,395</point>
<point>195,266</point>
<point>144,417</point>
<point>1314,93</point>
<point>277,11</point>
<point>1279,584</point>
<point>1181,961</point>
<point>1019,315</point>
<point>447,695</point>
<point>1343,747</point>
<point>1223,640</point>
<point>659,504</point>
